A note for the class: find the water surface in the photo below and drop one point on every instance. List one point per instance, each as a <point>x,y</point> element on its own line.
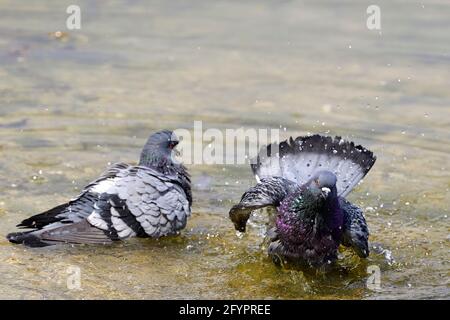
<point>70,105</point>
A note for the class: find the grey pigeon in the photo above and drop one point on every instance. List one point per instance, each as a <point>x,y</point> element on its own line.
<point>307,180</point>
<point>152,199</point>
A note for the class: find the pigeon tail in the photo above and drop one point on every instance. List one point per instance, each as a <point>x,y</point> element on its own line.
<point>27,238</point>
<point>298,160</point>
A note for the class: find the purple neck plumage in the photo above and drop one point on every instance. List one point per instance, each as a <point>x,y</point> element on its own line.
<point>310,229</point>
<point>333,217</point>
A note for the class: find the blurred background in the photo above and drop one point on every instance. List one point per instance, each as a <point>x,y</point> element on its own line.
<point>73,101</point>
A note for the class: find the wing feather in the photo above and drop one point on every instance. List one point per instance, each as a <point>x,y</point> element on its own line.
<point>268,192</point>
<point>356,232</point>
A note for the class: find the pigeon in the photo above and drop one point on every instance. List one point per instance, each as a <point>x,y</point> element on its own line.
<point>151,199</point>
<point>306,180</point>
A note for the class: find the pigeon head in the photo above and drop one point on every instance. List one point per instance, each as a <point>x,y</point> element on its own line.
<point>317,202</point>
<point>323,184</point>
<point>320,190</point>
<point>158,149</point>
<point>165,140</point>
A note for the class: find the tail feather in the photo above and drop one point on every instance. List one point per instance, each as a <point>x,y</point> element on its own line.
<point>80,232</point>
<point>298,160</point>
<point>27,238</point>
<point>40,220</point>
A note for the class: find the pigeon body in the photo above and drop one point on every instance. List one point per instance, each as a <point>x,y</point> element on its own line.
<point>152,199</point>
<point>307,179</point>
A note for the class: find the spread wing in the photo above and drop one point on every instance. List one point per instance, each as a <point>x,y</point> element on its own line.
<point>268,192</point>
<point>356,233</point>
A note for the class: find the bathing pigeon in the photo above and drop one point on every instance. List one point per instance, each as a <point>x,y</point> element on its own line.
<point>307,180</point>
<point>152,199</point>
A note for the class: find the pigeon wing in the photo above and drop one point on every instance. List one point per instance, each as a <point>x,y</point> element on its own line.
<point>268,192</point>
<point>142,202</point>
<point>77,208</point>
<point>356,233</point>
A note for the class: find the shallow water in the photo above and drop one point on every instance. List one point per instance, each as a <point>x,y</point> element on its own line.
<point>70,105</point>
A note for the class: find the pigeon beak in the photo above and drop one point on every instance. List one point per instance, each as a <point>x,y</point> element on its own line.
<point>325,191</point>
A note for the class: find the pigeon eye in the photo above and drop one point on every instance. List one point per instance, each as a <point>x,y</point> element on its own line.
<point>172,144</point>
